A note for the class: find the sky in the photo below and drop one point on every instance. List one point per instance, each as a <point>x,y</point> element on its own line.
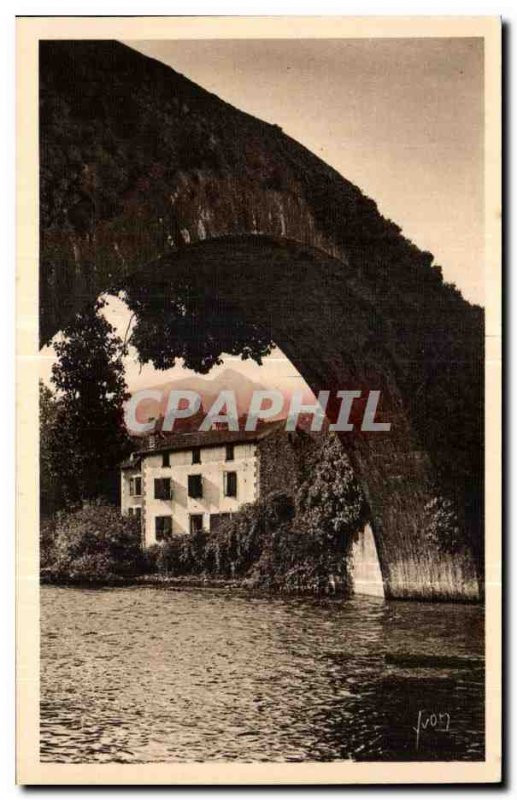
<point>400,118</point>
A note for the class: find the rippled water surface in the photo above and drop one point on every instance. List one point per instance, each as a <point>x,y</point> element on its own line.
<point>147,674</point>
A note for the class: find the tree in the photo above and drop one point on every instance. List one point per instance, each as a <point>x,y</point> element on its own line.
<point>330,504</point>
<point>51,495</point>
<point>177,319</point>
<point>88,438</point>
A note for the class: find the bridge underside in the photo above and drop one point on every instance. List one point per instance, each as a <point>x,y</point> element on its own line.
<point>148,181</point>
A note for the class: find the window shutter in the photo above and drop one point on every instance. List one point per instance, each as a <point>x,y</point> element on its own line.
<point>195,486</point>
<point>163,528</point>
<point>162,488</point>
<point>230,484</point>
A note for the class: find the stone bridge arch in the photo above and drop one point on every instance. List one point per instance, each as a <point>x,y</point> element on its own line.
<point>146,176</point>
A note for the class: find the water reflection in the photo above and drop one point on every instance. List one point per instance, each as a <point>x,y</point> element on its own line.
<point>145,674</point>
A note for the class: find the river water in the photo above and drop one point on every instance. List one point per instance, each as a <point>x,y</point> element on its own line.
<point>148,674</point>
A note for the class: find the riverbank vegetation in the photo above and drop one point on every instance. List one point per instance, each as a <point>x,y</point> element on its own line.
<point>279,543</point>
<point>91,545</point>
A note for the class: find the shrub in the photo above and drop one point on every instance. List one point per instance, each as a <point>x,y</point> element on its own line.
<point>230,551</point>
<point>182,554</point>
<point>330,502</point>
<point>442,528</point>
<point>308,552</point>
<point>295,562</point>
<point>95,544</point>
<point>238,544</point>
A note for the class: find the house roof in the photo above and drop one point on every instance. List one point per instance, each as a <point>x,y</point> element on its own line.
<point>186,441</point>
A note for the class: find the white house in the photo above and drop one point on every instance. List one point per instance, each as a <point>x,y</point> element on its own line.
<point>191,481</point>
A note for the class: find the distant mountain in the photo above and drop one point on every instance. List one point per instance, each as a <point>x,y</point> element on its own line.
<point>208,389</point>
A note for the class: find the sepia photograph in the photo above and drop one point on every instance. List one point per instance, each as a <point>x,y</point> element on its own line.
<point>259,297</point>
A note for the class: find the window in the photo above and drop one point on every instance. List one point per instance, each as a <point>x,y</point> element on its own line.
<point>162,528</point>
<point>196,523</point>
<point>166,460</point>
<point>230,452</point>
<point>196,455</point>
<point>162,488</point>
<point>195,486</point>
<point>135,487</point>
<point>230,484</point>
<point>135,511</point>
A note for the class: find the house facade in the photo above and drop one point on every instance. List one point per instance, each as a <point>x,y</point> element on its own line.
<point>192,481</point>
